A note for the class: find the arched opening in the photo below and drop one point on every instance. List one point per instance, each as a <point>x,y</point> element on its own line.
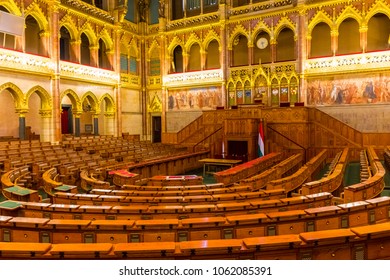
<point>262,49</point>
<point>285,45</point>
<point>65,44</point>
<point>104,62</point>
<point>378,33</point>
<point>85,52</point>
<point>320,41</point>
<point>240,51</point>
<point>178,60</point>
<point>213,55</point>
<point>194,63</point>
<point>33,40</point>
<point>349,37</point>
<point>9,119</point>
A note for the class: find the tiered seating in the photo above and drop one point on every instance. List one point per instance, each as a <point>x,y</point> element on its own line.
<point>294,181</point>
<point>331,180</point>
<point>371,187</point>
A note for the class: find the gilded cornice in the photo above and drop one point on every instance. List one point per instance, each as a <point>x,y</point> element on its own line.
<point>193,78</point>
<point>86,73</point>
<point>258,9</point>
<point>193,22</point>
<point>22,62</point>
<point>84,8</point>
<point>378,61</point>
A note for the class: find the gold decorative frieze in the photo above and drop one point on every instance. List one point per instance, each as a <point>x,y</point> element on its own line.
<point>88,73</point>
<point>263,6</point>
<point>193,21</point>
<point>22,62</point>
<point>193,78</point>
<point>366,61</point>
<point>88,9</point>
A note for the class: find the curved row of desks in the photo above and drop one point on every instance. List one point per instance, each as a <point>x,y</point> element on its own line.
<point>364,242</point>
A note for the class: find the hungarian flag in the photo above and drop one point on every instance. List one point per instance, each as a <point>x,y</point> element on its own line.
<point>261,139</point>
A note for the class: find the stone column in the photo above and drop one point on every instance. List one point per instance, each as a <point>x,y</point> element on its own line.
<point>46,118</point>
<point>45,38</point>
<point>75,54</point>
<point>94,56</point>
<point>77,123</point>
<point>109,123</point>
<point>363,37</point>
<point>334,35</point>
<point>22,123</point>
<point>95,124</point>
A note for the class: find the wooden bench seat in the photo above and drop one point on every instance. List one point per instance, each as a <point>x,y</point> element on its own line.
<point>23,250</point>
<point>81,250</point>
<point>141,250</point>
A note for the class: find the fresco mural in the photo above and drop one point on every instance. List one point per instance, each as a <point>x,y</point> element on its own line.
<point>346,90</point>
<point>194,98</point>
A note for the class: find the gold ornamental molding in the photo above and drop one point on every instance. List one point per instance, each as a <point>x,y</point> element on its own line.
<point>347,63</point>
<point>22,62</point>
<point>193,79</point>
<point>87,73</point>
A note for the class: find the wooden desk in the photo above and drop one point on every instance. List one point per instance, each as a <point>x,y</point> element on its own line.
<point>123,177</point>
<point>326,235</point>
<point>373,231</point>
<point>9,249</point>
<point>180,180</point>
<point>202,246</point>
<point>207,162</point>
<point>94,250</point>
<point>158,249</point>
<point>278,240</point>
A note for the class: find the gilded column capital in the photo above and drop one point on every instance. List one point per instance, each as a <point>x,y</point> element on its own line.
<point>46,113</point>
<point>109,115</point>
<point>77,114</point>
<point>22,112</point>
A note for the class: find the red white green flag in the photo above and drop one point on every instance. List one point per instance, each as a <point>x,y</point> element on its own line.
<point>261,140</point>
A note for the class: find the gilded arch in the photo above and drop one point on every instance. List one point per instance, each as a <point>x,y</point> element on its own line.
<point>321,16</point>
<point>110,103</point>
<point>174,43</point>
<point>45,97</point>
<point>193,39</point>
<point>11,7</point>
<point>69,24</point>
<point>91,98</point>
<point>211,36</point>
<point>239,30</point>
<point>76,103</point>
<point>16,93</point>
<point>284,23</point>
<point>35,11</point>
<point>349,12</point>
<point>105,36</point>
<point>88,31</point>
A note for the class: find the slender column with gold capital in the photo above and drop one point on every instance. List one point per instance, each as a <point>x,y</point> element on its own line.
<point>77,116</point>
<point>273,44</point>
<point>22,123</point>
<point>75,54</point>
<point>334,35</point>
<point>46,117</point>
<point>94,55</point>
<point>109,123</point>
<point>96,124</point>
<point>225,54</point>
<point>363,37</point>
